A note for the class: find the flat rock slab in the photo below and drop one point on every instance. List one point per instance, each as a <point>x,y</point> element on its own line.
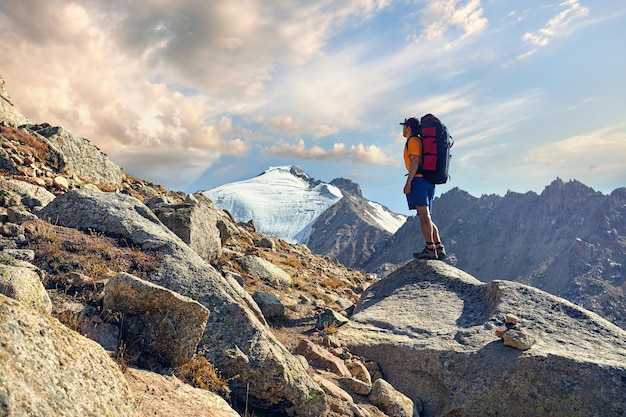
<point>431,328</point>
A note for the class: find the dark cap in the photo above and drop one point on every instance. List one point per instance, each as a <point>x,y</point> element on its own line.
<point>411,122</point>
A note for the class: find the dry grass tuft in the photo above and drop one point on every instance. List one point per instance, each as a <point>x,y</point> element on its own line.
<point>200,373</point>
<point>333,283</point>
<point>37,147</point>
<point>331,328</point>
<point>123,359</point>
<point>61,250</point>
<point>291,262</point>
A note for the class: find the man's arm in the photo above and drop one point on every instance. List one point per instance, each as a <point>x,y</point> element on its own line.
<point>415,163</point>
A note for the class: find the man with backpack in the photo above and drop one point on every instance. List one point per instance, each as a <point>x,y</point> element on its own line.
<point>419,191</point>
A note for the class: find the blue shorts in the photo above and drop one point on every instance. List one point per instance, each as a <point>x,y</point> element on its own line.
<point>422,194</point>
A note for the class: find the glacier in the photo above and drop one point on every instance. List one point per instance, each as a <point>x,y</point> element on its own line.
<point>283,201</point>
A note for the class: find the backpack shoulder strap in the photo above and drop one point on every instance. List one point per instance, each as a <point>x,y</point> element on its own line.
<point>406,145</point>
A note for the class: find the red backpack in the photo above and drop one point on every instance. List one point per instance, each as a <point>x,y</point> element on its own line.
<point>436,144</point>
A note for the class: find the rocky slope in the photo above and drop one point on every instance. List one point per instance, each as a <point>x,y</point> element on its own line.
<point>349,230</point>
<point>67,262</point>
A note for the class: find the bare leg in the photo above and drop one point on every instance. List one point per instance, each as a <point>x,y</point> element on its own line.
<point>429,230</point>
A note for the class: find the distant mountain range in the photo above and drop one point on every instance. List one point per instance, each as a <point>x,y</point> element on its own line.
<point>569,240</point>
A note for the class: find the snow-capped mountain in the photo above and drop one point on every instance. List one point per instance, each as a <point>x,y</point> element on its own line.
<point>282,201</point>
<point>287,203</point>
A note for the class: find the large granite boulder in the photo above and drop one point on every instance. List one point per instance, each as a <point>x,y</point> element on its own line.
<point>82,158</point>
<point>195,222</point>
<point>159,321</point>
<point>50,370</point>
<point>24,285</point>
<point>431,328</point>
<point>237,339</point>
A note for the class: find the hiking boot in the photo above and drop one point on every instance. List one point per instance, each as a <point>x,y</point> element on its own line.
<point>441,252</point>
<point>427,253</point>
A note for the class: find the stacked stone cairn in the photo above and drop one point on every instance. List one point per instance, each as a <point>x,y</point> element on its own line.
<point>512,335</point>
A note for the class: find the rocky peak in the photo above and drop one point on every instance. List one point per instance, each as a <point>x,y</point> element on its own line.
<point>566,197</point>
<point>8,114</point>
<point>299,173</point>
<point>4,94</point>
<point>347,186</point>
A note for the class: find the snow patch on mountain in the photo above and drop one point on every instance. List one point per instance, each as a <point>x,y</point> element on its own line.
<point>385,218</point>
<point>283,201</point>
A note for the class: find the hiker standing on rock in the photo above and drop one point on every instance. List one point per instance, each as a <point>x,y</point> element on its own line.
<point>420,192</point>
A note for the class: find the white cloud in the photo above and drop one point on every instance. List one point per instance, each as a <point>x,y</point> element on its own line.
<point>594,157</point>
<point>336,91</point>
<point>171,86</point>
<point>369,154</point>
<point>58,21</point>
<point>163,73</point>
<point>601,150</point>
<point>172,166</point>
<point>480,130</point>
<point>235,147</point>
<point>339,152</point>
<point>229,48</point>
<point>442,104</point>
<point>440,18</point>
<point>285,125</point>
<point>559,26</point>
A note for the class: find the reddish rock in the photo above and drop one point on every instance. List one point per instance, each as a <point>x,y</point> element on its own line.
<point>500,331</point>
<point>511,319</point>
<point>519,340</point>
<point>320,358</point>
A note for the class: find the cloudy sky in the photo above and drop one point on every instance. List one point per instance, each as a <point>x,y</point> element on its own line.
<point>192,94</point>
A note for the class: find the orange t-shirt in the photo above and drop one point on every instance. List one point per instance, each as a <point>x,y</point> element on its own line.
<point>414,147</point>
